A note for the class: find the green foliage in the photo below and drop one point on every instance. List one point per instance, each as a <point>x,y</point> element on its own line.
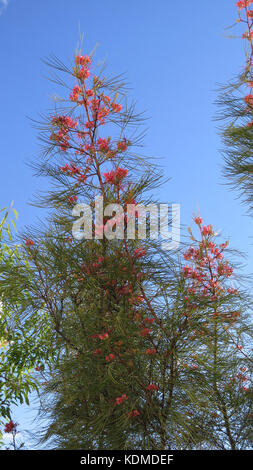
<point>24,342</point>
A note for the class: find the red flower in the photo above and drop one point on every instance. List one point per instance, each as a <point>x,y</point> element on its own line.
<point>152,387</point>
<point>9,427</point>
<point>29,242</point>
<point>198,220</point>
<point>207,230</point>
<point>122,145</point>
<point>103,336</point>
<point>115,177</point>
<point>82,60</point>
<point>247,35</point>
<point>121,399</point>
<point>149,320</point>
<point>75,93</point>
<point>145,332</point>
<point>150,352</point>
<point>116,107</point>
<point>89,93</point>
<point>72,199</point>
<point>249,99</point>
<point>133,413</point>
<point>139,253</point>
<point>64,122</point>
<point>89,124</point>
<point>110,357</point>
<point>243,3</point>
<point>97,352</point>
<point>103,145</point>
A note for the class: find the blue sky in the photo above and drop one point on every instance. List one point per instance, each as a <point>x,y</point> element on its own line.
<point>174,54</point>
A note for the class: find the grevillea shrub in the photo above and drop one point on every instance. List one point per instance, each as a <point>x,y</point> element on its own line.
<point>148,345</point>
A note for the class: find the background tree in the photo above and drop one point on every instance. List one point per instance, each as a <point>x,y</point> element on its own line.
<point>236,102</point>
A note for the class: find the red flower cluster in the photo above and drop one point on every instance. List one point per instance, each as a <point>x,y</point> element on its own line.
<point>139,253</point>
<point>150,352</point>
<point>244,3</point>
<point>29,242</point>
<point>103,145</point>
<point>152,387</point>
<point>115,176</point>
<point>249,99</point>
<point>97,352</point>
<point>65,124</point>
<point>74,171</point>
<point>10,426</point>
<point>75,94</point>
<point>82,71</point>
<point>145,332</point>
<point>133,413</point>
<point>122,145</point>
<point>110,357</point>
<point>72,199</point>
<point>120,400</point>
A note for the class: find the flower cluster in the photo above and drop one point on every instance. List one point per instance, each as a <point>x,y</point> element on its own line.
<point>10,427</point>
<point>115,177</point>
<point>120,400</point>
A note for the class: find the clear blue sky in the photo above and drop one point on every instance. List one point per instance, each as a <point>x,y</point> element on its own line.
<point>175,54</point>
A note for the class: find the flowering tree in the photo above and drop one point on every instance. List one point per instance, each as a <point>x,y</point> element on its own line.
<point>145,345</point>
<point>223,354</point>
